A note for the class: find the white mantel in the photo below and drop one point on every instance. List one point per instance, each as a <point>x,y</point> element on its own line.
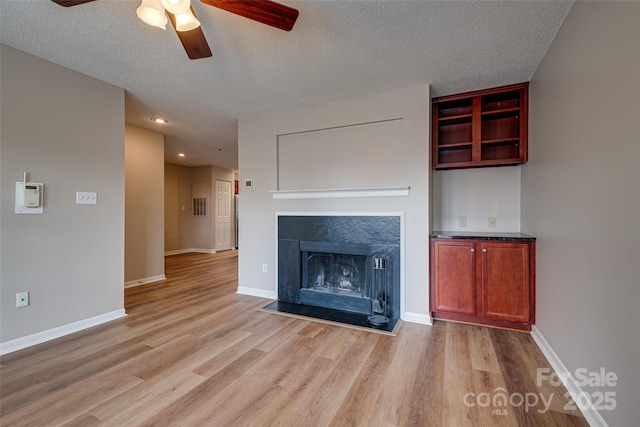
<point>327,193</point>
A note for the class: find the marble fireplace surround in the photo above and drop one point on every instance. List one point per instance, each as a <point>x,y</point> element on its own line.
<point>382,232</point>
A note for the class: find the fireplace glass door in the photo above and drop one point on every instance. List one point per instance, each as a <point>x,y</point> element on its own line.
<point>335,280</point>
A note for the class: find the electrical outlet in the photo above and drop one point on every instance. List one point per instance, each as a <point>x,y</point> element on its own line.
<point>264,267</point>
<point>492,221</point>
<point>463,221</point>
<point>22,299</point>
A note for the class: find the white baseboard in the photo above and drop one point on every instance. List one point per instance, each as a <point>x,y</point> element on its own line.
<point>132,283</point>
<point>257,292</point>
<point>423,319</point>
<point>592,415</point>
<point>189,250</point>
<point>60,331</point>
<point>177,252</point>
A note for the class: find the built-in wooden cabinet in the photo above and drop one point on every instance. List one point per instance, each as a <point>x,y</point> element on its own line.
<point>482,128</point>
<point>488,280</point>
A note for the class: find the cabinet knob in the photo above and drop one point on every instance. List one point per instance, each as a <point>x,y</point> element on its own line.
<point>484,250</point>
<point>473,250</point>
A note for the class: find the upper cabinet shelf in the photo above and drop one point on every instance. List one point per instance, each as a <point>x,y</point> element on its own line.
<point>481,128</point>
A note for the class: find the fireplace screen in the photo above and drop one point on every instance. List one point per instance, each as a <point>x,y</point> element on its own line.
<point>336,273</point>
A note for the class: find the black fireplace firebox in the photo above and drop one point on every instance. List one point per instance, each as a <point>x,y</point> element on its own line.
<point>346,263</point>
<point>336,275</point>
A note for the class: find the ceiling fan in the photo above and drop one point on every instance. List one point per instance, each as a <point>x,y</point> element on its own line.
<point>187,27</point>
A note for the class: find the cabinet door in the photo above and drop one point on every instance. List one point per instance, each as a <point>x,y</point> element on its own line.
<point>505,281</point>
<point>454,280</point>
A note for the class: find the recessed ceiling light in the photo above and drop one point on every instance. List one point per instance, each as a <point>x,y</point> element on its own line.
<point>159,120</point>
<point>180,154</point>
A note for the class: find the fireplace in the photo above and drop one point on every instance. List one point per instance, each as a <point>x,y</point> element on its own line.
<point>340,263</point>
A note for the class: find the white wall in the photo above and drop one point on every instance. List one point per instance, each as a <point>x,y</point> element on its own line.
<point>581,197</point>
<point>326,158</point>
<point>477,194</point>
<point>144,205</point>
<point>67,131</point>
<point>258,159</point>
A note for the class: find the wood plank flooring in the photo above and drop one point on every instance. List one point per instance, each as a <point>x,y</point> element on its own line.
<point>192,352</point>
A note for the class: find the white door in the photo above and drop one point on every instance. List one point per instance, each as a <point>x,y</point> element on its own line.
<point>223,215</point>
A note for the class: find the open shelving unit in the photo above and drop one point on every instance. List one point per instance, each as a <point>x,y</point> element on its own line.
<point>481,128</point>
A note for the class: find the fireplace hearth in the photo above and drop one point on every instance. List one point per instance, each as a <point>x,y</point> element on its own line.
<point>339,263</point>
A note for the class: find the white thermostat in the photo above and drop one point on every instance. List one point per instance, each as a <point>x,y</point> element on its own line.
<point>29,197</point>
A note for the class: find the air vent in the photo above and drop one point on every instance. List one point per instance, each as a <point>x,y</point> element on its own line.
<point>199,193</point>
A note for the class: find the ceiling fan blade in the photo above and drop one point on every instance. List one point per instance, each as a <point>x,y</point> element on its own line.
<point>67,3</point>
<point>194,42</point>
<point>264,11</point>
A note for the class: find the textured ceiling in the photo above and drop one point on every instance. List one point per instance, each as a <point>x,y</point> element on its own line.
<point>336,50</point>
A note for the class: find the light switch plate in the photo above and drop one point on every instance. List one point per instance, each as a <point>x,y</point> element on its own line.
<point>86,198</point>
<point>492,221</point>
<point>463,221</point>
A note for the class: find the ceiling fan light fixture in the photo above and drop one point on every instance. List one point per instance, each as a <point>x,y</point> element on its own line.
<point>177,6</point>
<point>152,13</point>
<point>186,21</point>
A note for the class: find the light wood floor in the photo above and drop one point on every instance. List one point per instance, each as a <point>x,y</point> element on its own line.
<point>194,353</point>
